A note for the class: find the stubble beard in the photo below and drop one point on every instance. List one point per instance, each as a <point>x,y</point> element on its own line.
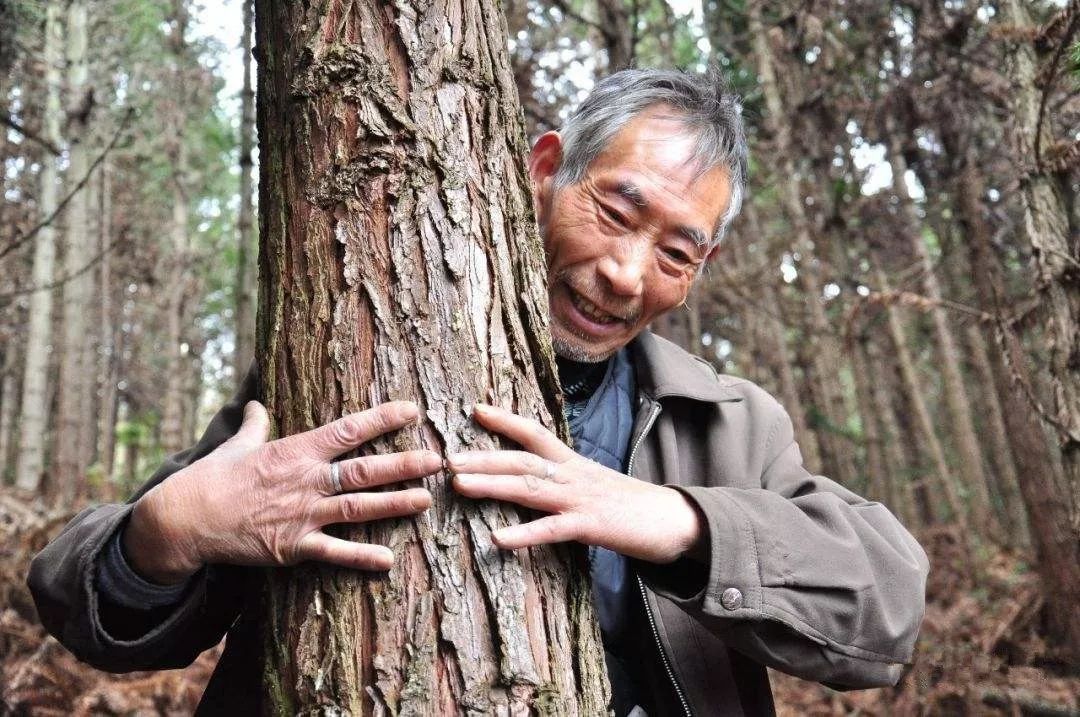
<point>577,352</point>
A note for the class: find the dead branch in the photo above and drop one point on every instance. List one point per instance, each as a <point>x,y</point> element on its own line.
<point>63,279</point>
<point>46,221</point>
<point>9,121</point>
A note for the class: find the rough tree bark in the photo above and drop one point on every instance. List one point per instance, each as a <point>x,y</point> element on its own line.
<point>33,419</point>
<point>400,261</point>
<point>1045,227</point>
<point>246,265</point>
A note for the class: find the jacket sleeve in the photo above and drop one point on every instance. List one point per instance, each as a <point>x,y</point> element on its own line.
<point>803,575</point>
<point>110,637</point>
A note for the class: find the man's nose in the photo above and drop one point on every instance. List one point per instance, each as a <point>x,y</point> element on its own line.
<point>624,269</point>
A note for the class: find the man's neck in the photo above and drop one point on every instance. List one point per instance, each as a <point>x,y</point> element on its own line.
<point>580,379</point>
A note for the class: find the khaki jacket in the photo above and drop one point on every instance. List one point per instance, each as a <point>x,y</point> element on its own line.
<point>803,575</point>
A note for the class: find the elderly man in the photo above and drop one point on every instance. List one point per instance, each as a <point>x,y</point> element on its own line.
<point>714,551</point>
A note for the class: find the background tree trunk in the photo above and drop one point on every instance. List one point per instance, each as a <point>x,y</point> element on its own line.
<point>177,255</point>
<point>246,265</point>
<point>108,355</point>
<point>400,261</point>
<point>823,357</point>
<point>33,419</point>
<point>932,450</point>
<point>73,384</point>
<point>962,427</point>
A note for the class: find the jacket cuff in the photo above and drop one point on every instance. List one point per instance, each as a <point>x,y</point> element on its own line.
<point>732,581</point>
<point>140,630</point>
<point>118,583</point>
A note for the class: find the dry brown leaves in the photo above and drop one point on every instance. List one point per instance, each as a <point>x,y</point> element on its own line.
<point>37,675</point>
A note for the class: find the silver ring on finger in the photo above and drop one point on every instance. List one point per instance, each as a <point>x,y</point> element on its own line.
<point>549,470</point>
<point>335,478</point>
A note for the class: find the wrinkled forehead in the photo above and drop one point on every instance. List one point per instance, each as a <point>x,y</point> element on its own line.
<point>660,135</point>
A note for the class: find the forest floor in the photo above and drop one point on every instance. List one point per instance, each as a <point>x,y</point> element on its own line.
<point>983,648</point>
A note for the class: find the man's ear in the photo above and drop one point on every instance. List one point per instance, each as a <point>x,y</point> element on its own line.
<point>544,162</point>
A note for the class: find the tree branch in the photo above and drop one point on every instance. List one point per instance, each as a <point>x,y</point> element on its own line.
<point>569,12</point>
<point>9,121</point>
<point>8,295</point>
<point>46,221</point>
<point>1050,79</point>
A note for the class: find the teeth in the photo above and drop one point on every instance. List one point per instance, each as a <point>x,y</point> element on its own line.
<point>592,311</point>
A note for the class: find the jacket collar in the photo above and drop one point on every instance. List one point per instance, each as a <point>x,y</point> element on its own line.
<point>663,369</point>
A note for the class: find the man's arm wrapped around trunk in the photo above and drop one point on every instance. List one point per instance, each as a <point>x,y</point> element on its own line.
<point>97,630</point>
<point>802,574</point>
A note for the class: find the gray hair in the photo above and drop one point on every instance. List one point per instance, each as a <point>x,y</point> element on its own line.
<point>701,102</point>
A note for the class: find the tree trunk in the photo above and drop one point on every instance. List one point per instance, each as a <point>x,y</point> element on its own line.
<point>9,400</point>
<point>822,354</point>
<point>400,261</point>
<point>176,280</point>
<point>108,361</point>
<point>1045,499</point>
<point>246,264</point>
<point>616,23</point>
<point>878,485</point>
<point>1045,226</point>
<point>774,345</point>
<point>962,428</point>
<point>1004,481</point>
<point>33,419</point>
<point>932,450</point>
<point>895,453</point>
<point>68,476</point>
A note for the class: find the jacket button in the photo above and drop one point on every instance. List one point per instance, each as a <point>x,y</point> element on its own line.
<point>731,599</point>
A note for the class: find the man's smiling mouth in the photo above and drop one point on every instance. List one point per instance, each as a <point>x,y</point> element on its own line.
<point>591,310</point>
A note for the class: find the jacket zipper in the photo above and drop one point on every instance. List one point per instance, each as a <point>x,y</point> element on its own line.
<point>654,413</point>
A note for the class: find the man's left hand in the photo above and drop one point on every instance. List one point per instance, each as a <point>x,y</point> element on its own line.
<point>586,501</point>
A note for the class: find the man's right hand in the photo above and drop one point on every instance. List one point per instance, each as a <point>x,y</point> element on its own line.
<point>253,502</point>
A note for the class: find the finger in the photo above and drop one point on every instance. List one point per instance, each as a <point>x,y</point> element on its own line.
<point>529,434</point>
<point>361,556</point>
<point>542,531</point>
<point>347,433</point>
<point>526,490</point>
<point>371,471</point>
<point>255,428</point>
<point>512,462</point>
<point>365,507</point>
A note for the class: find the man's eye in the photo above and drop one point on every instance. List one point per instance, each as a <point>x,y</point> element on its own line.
<point>613,215</point>
<point>677,255</point>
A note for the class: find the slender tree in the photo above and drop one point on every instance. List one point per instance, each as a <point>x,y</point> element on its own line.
<point>177,262</point>
<point>823,356</point>
<point>33,419</point>
<point>72,421</point>
<point>400,260</point>
<point>245,250</point>
<point>969,452</point>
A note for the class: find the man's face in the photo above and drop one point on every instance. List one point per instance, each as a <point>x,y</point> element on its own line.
<point>624,244</point>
